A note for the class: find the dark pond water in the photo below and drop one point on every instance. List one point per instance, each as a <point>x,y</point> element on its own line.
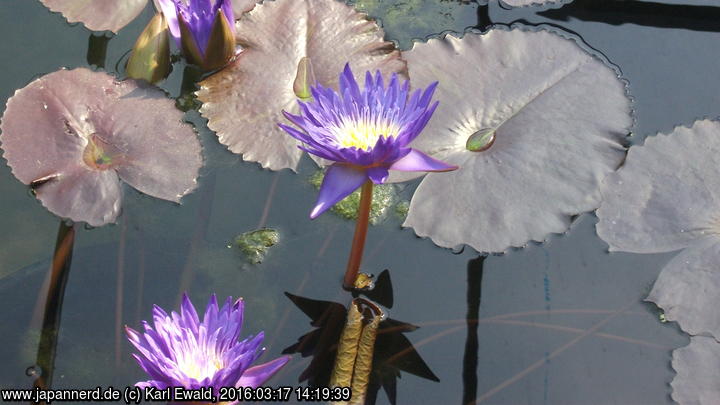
<point>561,322</point>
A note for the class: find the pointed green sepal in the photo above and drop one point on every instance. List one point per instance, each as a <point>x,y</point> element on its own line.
<point>221,45</point>
<point>190,47</point>
<point>150,57</point>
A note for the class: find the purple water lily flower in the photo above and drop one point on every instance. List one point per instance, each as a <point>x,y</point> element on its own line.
<point>366,133</point>
<point>203,29</point>
<point>181,351</point>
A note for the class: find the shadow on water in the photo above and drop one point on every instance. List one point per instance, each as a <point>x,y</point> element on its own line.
<point>393,351</point>
<point>470,358</point>
<point>651,14</point>
<point>97,50</point>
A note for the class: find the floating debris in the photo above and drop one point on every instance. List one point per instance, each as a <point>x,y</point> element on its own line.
<point>402,208</point>
<point>255,244</point>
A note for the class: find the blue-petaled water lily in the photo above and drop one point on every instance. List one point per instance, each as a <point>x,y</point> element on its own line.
<point>203,29</point>
<point>364,132</point>
<point>182,351</point>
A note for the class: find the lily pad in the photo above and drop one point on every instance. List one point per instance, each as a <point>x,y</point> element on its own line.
<point>667,197</point>
<point>98,15</point>
<point>244,102</point>
<point>698,367</point>
<point>113,15</point>
<point>242,6</point>
<point>73,134</point>
<point>551,119</point>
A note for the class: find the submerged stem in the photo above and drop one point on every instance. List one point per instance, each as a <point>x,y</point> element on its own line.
<point>59,271</point>
<point>358,244</point>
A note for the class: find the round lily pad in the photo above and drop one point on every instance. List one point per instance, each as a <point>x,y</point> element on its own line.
<point>533,121</point>
<point>98,15</point>
<point>72,135</point>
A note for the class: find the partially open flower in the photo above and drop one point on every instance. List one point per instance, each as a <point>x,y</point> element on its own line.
<point>182,351</point>
<point>203,29</point>
<point>366,133</point>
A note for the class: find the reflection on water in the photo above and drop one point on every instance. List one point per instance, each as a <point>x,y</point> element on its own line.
<point>597,342</point>
<point>393,354</point>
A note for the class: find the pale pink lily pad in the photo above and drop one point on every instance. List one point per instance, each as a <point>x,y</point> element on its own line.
<point>667,197</point>
<point>244,102</point>
<point>73,135</point>
<point>559,116</point>
<point>242,6</point>
<point>113,15</point>
<point>698,367</point>
<point>98,15</point>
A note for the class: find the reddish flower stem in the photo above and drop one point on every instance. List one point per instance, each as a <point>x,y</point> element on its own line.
<point>358,244</point>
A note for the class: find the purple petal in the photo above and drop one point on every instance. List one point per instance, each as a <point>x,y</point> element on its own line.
<point>258,375</point>
<point>189,315</point>
<point>339,182</point>
<point>416,161</point>
<point>378,174</point>
<point>169,10</point>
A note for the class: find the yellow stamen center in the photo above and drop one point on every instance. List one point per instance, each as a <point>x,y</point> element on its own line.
<point>200,365</point>
<point>363,135</point>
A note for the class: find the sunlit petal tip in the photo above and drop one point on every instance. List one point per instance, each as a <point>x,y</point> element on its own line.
<point>416,161</point>
<point>339,182</point>
<point>257,376</point>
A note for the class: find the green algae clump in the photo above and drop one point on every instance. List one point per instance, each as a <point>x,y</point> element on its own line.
<point>384,196</point>
<point>255,244</point>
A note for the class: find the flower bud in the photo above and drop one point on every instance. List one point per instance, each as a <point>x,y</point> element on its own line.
<point>150,57</point>
<point>304,78</point>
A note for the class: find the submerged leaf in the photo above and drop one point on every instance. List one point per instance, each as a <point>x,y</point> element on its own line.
<point>98,15</point>
<point>666,197</point>
<point>73,135</point>
<point>255,244</point>
<point>244,101</point>
<point>698,367</point>
<point>558,115</point>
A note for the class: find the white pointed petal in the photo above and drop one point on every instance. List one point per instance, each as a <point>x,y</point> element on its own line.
<point>559,113</point>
